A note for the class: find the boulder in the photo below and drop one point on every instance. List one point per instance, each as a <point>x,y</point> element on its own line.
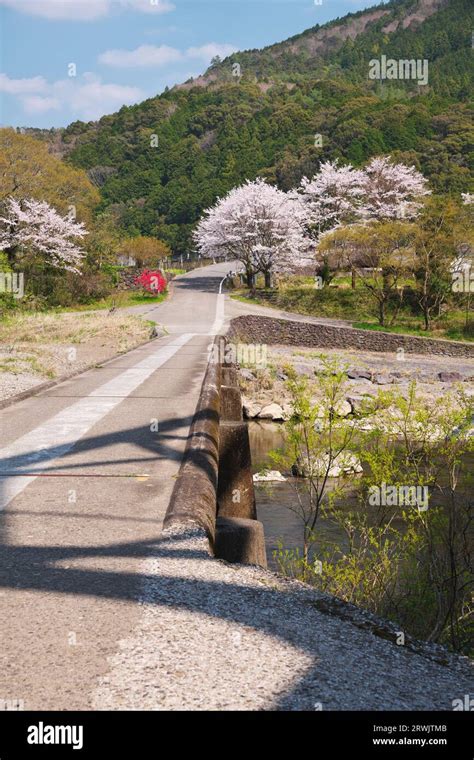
<point>250,409</point>
<point>269,476</point>
<point>359,374</point>
<point>343,408</point>
<point>271,412</point>
<point>246,374</point>
<point>383,378</point>
<point>345,463</point>
<point>449,377</point>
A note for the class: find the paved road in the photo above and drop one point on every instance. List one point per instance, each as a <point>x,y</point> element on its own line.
<point>99,609</point>
<point>85,481</point>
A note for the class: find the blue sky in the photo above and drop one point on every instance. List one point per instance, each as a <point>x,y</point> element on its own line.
<point>62,60</point>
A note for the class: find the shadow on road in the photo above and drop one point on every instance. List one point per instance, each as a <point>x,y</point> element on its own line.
<point>330,644</point>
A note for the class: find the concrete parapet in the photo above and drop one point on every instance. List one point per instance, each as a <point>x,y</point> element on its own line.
<point>215,479</point>
<point>240,540</point>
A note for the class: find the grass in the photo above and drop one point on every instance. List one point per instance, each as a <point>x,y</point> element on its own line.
<point>40,328</point>
<point>120,300</point>
<point>452,333</point>
<point>175,271</point>
<point>24,363</point>
<point>41,343</point>
<point>338,301</point>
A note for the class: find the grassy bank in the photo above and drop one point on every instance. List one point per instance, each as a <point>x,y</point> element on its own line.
<point>38,347</point>
<point>340,301</point>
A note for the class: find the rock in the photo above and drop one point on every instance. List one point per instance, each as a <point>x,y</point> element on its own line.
<point>358,403</point>
<point>359,374</point>
<point>424,377</point>
<point>449,377</point>
<point>268,476</point>
<point>246,374</point>
<point>382,378</point>
<point>303,369</point>
<point>346,462</point>
<point>287,411</point>
<point>343,408</point>
<point>250,409</point>
<point>281,375</point>
<point>271,412</point>
<point>157,331</point>
<point>365,426</point>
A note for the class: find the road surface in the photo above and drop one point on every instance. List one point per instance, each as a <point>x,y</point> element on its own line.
<point>101,610</point>
<point>86,475</point>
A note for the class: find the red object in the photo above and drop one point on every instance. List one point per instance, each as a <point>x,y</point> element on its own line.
<point>151,281</point>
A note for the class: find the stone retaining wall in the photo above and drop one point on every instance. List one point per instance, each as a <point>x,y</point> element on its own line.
<point>259,329</point>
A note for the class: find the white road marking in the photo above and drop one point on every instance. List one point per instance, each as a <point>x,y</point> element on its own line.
<point>220,313</point>
<point>59,434</point>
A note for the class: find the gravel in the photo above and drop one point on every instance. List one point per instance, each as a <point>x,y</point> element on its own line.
<point>215,636</point>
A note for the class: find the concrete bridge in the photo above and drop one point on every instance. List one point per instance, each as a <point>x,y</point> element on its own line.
<point>103,608</point>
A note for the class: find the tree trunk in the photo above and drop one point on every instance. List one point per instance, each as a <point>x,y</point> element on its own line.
<point>11,255</point>
<point>268,280</point>
<point>382,313</point>
<point>353,279</point>
<point>426,318</point>
<point>250,280</point>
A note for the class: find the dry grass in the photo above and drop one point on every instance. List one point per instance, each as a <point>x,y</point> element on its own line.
<point>74,328</point>
<point>39,347</point>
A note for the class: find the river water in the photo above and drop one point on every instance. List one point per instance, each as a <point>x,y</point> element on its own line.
<point>279,522</point>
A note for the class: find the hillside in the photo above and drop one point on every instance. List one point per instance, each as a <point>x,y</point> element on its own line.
<point>220,129</point>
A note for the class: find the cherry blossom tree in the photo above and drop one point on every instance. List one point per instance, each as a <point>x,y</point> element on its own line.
<point>257,225</point>
<point>35,227</point>
<point>342,195</point>
<point>392,191</point>
<point>333,196</point>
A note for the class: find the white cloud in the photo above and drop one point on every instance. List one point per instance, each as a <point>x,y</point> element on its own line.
<point>86,97</point>
<point>153,55</point>
<point>19,86</point>
<point>85,10</point>
<point>148,6</point>
<point>90,98</point>
<point>209,51</point>
<point>145,55</point>
<point>40,104</point>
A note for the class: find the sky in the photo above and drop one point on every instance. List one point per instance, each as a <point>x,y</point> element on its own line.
<point>63,60</point>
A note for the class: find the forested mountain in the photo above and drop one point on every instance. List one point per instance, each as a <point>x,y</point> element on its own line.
<point>160,163</point>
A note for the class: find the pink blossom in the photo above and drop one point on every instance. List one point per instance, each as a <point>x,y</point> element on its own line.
<point>256,224</point>
<point>35,225</point>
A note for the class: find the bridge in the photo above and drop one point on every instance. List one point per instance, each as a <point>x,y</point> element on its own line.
<point>117,487</point>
